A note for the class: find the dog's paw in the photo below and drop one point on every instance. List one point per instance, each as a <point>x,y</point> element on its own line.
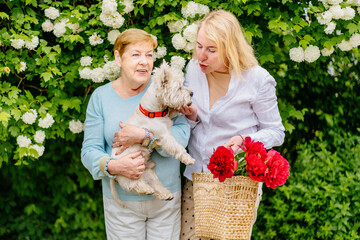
<point>187,159</point>
<point>143,188</point>
<point>166,197</point>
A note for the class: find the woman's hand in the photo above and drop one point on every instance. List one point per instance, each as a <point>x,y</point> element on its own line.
<point>131,165</point>
<point>234,143</point>
<point>190,112</point>
<point>127,136</point>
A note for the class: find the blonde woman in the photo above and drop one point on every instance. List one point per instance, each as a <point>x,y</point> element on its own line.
<point>233,98</point>
<point>144,217</point>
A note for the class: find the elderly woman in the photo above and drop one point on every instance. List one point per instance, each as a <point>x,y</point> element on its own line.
<point>144,217</point>
<point>233,98</point>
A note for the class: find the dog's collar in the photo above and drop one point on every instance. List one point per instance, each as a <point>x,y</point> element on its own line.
<point>153,114</point>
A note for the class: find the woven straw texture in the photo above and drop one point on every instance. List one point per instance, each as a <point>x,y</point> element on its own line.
<point>224,211</point>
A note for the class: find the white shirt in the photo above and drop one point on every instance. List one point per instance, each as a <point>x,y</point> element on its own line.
<point>248,108</point>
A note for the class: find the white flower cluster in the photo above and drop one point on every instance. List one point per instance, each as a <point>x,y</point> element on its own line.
<point>160,53</point>
<point>177,26</point>
<point>192,8</point>
<point>109,71</point>
<point>86,61</point>
<point>59,28</point>
<point>129,5</point>
<point>76,126</point>
<point>39,136</point>
<point>20,43</point>
<point>52,13</point>
<point>95,39</point>
<point>109,14</point>
<point>47,26</point>
<point>177,62</point>
<point>327,52</point>
<point>353,42</point>
<point>29,117</point>
<point>39,149</point>
<point>47,121</point>
<point>186,41</point>
<point>311,54</point>
<point>22,66</point>
<point>23,141</point>
<point>112,36</point>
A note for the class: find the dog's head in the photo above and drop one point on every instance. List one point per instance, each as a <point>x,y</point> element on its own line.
<point>170,89</point>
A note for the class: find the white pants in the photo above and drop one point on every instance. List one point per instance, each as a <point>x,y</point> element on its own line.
<point>143,220</point>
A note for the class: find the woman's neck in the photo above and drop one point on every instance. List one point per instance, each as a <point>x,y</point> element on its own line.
<point>126,89</point>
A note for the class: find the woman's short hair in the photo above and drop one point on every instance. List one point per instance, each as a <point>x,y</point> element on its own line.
<point>131,36</point>
<point>224,29</point>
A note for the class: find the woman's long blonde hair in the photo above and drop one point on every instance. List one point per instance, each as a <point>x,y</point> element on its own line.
<point>223,28</point>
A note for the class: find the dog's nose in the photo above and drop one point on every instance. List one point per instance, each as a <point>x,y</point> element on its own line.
<point>191,94</point>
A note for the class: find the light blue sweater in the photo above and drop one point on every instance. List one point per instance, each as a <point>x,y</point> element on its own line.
<point>104,112</point>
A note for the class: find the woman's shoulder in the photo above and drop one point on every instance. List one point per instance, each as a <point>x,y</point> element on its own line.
<point>192,66</point>
<point>258,75</point>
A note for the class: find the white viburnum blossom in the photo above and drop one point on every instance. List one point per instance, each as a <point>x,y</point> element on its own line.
<point>31,45</point>
<point>177,26</point>
<point>86,61</point>
<point>47,26</point>
<point>52,13</point>
<point>46,122</point>
<point>129,5</point>
<point>330,28</point>
<point>97,75</point>
<point>17,43</point>
<point>344,45</point>
<point>7,70</point>
<point>189,47</point>
<point>190,32</point>
<point>334,2</point>
<point>325,17</point>
<point>39,136</point>
<point>29,117</point>
<point>23,141</point>
<point>312,53</point>
<point>355,40</point>
<point>109,6</point>
<point>327,52</point>
<point>178,41</point>
<point>160,52</point>
<point>111,71</point>
<point>336,11</point>
<point>297,54</point>
<point>112,36</point>
<point>114,19</point>
<point>22,66</point>
<point>85,73</point>
<point>59,29</point>
<point>76,126</point>
<point>177,62</point>
<point>95,39</point>
<point>349,13</point>
<point>39,149</point>
<point>192,8</point>
<point>75,27</point>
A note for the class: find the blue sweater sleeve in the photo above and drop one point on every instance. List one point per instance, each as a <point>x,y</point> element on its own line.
<point>93,148</point>
<point>181,132</point>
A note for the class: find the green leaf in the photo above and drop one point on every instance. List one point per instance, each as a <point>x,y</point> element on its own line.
<point>46,76</point>
<point>4,118</point>
<point>4,15</point>
<point>14,131</point>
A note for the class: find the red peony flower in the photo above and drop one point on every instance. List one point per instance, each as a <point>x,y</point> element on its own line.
<point>256,167</point>
<point>277,169</point>
<point>222,163</point>
<point>252,147</point>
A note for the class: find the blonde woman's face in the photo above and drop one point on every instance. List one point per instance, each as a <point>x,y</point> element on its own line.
<point>207,54</point>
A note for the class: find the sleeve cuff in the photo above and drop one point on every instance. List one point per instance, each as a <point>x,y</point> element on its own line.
<point>193,123</point>
<point>103,163</point>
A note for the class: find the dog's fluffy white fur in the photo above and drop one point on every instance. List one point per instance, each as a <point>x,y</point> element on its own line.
<point>167,90</point>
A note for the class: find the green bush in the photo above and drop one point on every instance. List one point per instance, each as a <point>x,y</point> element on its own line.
<point>321,199</point>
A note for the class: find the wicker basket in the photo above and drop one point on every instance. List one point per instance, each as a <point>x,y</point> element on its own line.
<point>224,210</point>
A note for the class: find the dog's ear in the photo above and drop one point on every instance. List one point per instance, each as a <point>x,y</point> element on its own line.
<point>173,113</point>
<point>165,68</point>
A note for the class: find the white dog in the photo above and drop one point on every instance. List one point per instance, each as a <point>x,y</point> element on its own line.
<point>166,91</point>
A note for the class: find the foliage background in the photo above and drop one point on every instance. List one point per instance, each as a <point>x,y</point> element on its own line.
<point>54,197</point>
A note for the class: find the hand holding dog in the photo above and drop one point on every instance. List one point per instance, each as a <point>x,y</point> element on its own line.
<point>190,112</point>
<point>131,165</point>
<point>127,136</point>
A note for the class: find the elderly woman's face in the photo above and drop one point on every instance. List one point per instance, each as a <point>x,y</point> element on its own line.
<point>137,63</point>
